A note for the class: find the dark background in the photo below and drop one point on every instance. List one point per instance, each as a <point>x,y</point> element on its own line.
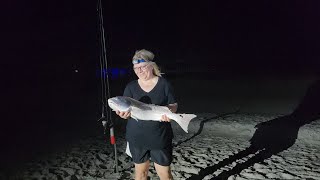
<point>45,101</point>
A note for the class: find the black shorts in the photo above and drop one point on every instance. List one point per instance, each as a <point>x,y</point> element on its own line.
<point>162,157</point>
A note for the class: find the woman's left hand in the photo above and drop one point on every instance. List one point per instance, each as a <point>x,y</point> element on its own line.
<point>165,118</point>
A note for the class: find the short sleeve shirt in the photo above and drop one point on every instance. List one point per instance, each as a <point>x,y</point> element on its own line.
<point>150,134</point>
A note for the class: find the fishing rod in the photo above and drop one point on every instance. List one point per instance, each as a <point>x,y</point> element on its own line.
<point>105,86</point>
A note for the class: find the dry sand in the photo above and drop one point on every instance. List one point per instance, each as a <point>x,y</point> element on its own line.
<point>216,147</point>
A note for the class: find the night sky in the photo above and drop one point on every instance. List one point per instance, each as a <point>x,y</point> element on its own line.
<point>243,34</point>
<point>45,42</point>
<point>250,36</point>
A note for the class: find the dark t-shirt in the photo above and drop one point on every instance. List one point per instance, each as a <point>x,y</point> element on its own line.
<point>150,134</point>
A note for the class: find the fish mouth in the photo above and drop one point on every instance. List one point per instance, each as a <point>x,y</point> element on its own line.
<point>117,104</point>
<point>112,104</point>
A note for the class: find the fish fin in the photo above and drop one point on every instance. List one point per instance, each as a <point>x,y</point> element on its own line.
<point>183,120</point>
<point>165,109</point>
<point>134,117</point>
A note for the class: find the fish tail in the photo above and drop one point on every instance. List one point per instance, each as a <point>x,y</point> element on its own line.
<point>183,120</point>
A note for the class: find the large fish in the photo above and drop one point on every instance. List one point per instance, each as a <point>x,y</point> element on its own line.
<point>142,111</point>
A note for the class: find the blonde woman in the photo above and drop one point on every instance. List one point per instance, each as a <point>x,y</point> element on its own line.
<point>150,139</point>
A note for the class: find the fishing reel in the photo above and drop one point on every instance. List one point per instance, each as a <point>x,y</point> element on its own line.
<point>106,123</point>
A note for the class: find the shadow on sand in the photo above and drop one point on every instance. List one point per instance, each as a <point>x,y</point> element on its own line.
<point>271,137</point>
<point>201,126</point>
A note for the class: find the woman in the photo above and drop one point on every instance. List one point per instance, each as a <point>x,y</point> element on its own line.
<point>150,139</point>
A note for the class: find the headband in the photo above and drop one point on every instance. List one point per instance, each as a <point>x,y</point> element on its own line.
<point>137,61</point>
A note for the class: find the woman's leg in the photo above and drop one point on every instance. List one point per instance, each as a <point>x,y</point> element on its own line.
<point>141,170</point>
<point>164,172</point>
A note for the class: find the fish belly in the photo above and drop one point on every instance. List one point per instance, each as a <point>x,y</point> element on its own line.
<point>153,114</point>
<point>145,115</point>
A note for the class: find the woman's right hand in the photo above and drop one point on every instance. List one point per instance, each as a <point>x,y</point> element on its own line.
<point>124,115</point>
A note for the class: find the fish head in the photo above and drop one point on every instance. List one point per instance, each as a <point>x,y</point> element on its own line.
<point>119,103</point>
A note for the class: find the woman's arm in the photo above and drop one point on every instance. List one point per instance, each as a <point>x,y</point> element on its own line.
<point>173,107</point>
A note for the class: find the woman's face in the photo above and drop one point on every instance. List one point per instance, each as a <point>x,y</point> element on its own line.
<point>143,70</point>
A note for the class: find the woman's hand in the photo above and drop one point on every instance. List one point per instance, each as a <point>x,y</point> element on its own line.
<point>173,107</point>
<point>124,115</point>
<point>165,118</point>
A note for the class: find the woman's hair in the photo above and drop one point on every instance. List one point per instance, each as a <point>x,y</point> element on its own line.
<point>147,56</point>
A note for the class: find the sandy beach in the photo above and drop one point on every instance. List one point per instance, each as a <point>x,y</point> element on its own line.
<point>216,147</point>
